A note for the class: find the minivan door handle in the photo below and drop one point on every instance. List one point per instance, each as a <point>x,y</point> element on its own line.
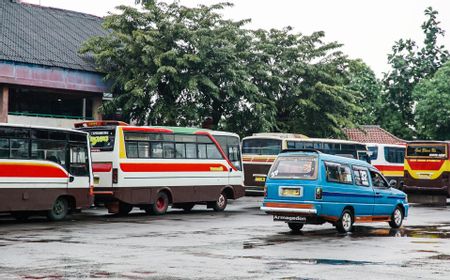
<point>377,194</point>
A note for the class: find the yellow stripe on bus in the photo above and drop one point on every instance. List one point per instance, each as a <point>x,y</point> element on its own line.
<point>427,174</point>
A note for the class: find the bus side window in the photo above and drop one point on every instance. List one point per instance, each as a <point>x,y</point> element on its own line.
<point>191,150</point>
<point>79,161</point>
<point>54,151</point>
<point>202,151</point>
<point>4,148</point>
<point>19,148</point>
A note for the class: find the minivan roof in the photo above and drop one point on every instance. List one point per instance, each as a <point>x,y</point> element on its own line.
<point>328,157</point>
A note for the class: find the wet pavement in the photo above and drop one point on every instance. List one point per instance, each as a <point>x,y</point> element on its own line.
<point>240,243</point>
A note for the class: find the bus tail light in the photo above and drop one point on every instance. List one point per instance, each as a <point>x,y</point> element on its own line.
<point>115,176</point>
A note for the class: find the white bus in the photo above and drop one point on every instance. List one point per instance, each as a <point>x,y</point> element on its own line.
<point>389,159</point>
<point>260,150</point>
<point>154,167</point>
<point>44,171</point>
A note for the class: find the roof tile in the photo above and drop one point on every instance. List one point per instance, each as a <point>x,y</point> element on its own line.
<point>372,134</point>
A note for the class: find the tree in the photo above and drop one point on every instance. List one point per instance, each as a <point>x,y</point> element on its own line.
<point>362,80</point>
<point>433,107</point>
<point>174,65</point>
<point>409,65</point>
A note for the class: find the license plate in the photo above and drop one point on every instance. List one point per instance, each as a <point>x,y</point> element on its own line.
<point>260,179</point>
<point>291,192</point>
<point>293,219</point>
<point>96,180</point>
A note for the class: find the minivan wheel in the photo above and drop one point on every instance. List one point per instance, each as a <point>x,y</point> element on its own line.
<point>345,222</point>
<point>295,227</point>
<point>396,218</point>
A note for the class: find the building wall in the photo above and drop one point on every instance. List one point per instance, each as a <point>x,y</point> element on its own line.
<point>40,121</point>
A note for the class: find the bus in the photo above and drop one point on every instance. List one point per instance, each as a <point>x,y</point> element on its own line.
<point>44,171</point>
<point>427,168</point>
<point>152,168</point>
<point>260,150</point>
<point>389,159</point>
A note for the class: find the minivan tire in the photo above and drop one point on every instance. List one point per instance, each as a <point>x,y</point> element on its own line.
<point>396,218</point>
<point>295,227</point>
<point>345,222</point>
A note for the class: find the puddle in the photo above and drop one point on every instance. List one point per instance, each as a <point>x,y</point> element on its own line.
<point>441,257</point>
<point>332,261</point>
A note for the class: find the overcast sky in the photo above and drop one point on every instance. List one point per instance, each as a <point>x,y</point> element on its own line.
<point>367,28</point>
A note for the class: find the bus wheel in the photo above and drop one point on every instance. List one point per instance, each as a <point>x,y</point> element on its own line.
<point>295,227</point>
<point>124,208</point>
<point>221,203</point>
<point>345,223</point>
<point>396,218</point>
<point>59,210</point>
<point>161,204</point>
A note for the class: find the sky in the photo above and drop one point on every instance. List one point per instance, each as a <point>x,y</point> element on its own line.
<point>367,28</point>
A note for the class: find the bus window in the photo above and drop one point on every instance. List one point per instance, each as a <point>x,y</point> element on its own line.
<point>230,146</point>
<point>102,140</point>
<point>394,155</point>
<point>374,151</point>
<point>4,148</point>
<point>19,148</point>
<point>261,146</point>
<point>49,150</point>
<point>79,160</point>
<point>427,151</point>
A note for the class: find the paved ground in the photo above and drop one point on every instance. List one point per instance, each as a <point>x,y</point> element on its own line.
<point>241,242</point>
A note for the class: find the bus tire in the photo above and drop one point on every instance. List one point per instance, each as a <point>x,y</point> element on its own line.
<point>124,208</point>
<point>396,218</point>
<point>295,227</point>
<point>345,222</point>
<point>59,209</point>
<point>221,203</point>
<point>161,204</point>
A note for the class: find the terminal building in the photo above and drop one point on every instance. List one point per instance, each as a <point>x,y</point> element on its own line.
<point>43,78</point>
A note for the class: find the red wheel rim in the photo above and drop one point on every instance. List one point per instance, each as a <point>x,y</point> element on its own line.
<point>160,203</point>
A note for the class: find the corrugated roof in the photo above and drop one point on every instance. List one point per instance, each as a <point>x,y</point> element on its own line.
<point>372,134</point>
<point>46,36</point>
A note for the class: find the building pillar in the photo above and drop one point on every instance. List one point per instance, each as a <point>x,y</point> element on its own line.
<point>4,100</point>
<point>96,103</point>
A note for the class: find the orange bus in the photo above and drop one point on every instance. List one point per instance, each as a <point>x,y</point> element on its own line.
<point>427,168</point>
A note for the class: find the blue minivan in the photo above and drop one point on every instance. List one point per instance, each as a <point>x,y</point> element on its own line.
<point>309,187</point>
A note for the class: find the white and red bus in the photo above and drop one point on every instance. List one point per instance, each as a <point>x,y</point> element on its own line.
<point>389,159</point>
<point>154,167</point>
<point>44,171</point>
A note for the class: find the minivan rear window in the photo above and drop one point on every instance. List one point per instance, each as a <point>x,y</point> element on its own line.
<point>299,167</point>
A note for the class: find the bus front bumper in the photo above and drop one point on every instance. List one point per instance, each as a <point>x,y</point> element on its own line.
<point>425,190</point>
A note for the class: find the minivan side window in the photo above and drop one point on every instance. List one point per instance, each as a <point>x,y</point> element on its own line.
<point>361,176</point>
<point>378,180</point>
<point>339,173</point>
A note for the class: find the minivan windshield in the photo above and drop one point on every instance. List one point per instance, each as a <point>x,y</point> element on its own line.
<point>298,167</point>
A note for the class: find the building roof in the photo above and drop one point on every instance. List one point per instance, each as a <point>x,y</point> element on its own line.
<point>46,36</point>
<point>372,134</point>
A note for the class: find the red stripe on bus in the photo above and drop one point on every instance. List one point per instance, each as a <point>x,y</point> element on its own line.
<point>172,167</point>
<point>147,129</point>
<point>425,165</point>
<point>389,167</point>
<point>102,167</point>
<point>31,171</point>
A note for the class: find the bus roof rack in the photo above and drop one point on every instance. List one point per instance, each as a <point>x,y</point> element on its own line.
<point>300,150</point>
<point>99,123</point>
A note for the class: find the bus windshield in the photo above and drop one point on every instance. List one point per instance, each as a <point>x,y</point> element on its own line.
<point>101,140</point>
<point>261,146</point>
<point>426,151</point>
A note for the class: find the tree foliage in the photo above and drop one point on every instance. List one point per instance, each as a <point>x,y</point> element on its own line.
<point>433,107</point>
<point>409,65</point>
<point>174,65</point>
